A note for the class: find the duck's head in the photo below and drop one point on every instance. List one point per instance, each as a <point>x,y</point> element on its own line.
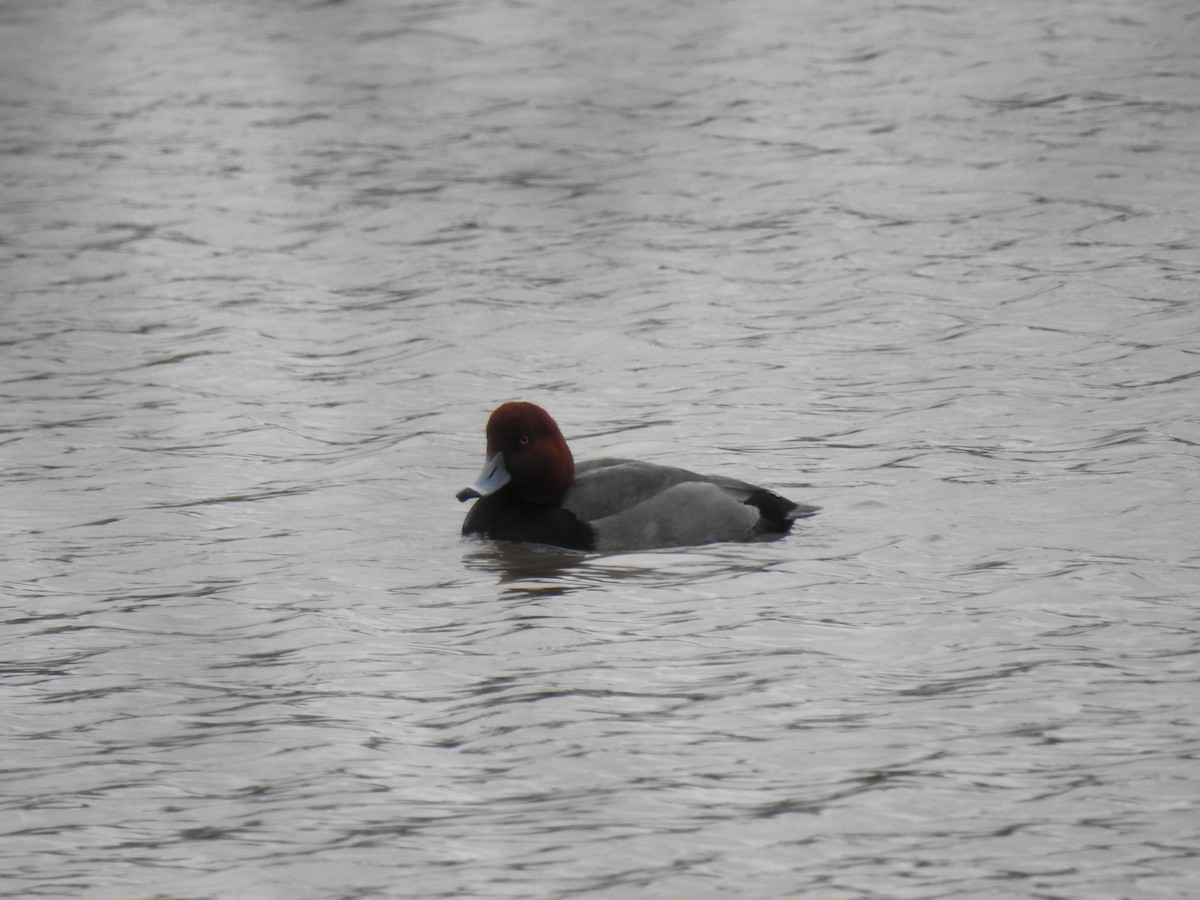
<point>526,456</point>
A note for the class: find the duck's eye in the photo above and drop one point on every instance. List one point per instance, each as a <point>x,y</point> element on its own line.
<point>524,440</point>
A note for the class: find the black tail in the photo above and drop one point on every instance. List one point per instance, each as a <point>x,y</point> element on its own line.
<point>778,513</point>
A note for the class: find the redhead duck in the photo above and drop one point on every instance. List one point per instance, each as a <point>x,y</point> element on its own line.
<point>532,490</point>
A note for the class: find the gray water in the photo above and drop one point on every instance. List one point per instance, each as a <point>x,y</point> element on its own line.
<point>268,266</point>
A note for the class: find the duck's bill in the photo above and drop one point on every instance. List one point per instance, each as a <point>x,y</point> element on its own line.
<point>493,477</point>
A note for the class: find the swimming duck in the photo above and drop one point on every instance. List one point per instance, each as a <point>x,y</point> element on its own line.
<point>532,490</point>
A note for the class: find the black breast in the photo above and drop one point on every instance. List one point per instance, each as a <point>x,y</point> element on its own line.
<point>504,518</point>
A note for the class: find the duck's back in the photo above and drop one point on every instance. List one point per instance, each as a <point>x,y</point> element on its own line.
<point>632,504</point>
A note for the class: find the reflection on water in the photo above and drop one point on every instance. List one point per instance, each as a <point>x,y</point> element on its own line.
<point>269,266</point>
<point>524,570</point>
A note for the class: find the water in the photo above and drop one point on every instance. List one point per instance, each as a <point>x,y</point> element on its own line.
<point>269,266</point>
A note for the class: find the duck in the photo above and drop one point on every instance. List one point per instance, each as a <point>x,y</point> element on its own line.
<point>532,491</point>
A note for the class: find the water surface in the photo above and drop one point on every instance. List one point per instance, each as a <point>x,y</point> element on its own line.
<point>269,266</point>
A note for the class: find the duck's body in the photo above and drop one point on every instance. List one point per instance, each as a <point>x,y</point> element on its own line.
<point>532,491</point>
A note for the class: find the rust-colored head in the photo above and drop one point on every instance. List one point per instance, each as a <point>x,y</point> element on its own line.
<point>525,440</point>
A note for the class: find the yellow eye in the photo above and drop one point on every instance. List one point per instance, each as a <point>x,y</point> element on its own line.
<point>524,439</point>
